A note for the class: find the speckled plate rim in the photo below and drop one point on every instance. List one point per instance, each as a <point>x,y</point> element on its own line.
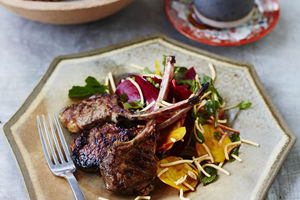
<point>207,41</point>
<point>250,68</point>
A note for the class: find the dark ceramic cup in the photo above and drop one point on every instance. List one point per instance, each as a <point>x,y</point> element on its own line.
<point>224,10</point>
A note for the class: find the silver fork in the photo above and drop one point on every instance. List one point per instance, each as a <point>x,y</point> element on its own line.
<point>59,164</point>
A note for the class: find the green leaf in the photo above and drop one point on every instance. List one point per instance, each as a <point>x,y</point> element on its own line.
<point>92,87</point>
<point>146,70</point>
<point>133,105</point>
<point>211,107</point>
<point>201,119</point>
<point>132,78</point>
<point>217,135</point>
<point>200,135</point>
<point>153,82</point>
<point>207,180</point>
<point>179,72</point>
<point>164,60</point>
<point>205,79</point>
<point>185,82</point>
<point>234,137</point>
<point>234,151</point>
<point>244,105</point>
<point>215,91</point>
<point>123,98</point>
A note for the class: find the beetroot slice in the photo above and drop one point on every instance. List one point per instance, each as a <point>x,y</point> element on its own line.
<point>149,91</point>
<point>190,74</point>
<point>129,89</point>
<point>180,92</point>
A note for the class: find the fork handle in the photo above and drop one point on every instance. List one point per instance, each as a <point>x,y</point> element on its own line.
<point>75,187</point>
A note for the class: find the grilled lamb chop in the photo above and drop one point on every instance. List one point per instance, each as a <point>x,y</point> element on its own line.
<point>104,108</point>
<point>90,112</point>
<point>88,150</point>
<point>130,167</point>
<point>127,163</point>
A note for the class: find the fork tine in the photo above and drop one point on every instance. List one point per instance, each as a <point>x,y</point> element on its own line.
<point>62,159</point>
<point>62,138</point>
<point>46,152</point>
<point>49,140</point>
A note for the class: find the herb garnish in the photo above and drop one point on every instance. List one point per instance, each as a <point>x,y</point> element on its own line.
<point>211,106</point>
<point>179,72</point>
<point>92,87</point>
<point>205,79</point>
<point>133,105</point>
<point>207,180</point>
<point>243,105</point>
<point>200,136</point>
<point>153,82</point>
<point>217,135</point>
<point>123,97</point>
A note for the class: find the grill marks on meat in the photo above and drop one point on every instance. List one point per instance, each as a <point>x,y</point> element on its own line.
<point>131,166</point>
<point>90,112</point>
<point>88,150</point>
<point>127,165</point>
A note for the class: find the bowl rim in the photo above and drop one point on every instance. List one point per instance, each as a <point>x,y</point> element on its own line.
<point>54,6</point>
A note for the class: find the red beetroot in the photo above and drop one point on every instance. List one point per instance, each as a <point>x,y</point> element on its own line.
<point>190,74</point>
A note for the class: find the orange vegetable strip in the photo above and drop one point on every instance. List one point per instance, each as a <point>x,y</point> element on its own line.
<point>228,128</point>
<point>220,131</point>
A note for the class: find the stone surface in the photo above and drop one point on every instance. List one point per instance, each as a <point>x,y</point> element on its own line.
<point>28,47</point>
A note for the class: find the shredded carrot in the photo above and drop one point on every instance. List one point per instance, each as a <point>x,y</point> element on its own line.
<point>228,128</point>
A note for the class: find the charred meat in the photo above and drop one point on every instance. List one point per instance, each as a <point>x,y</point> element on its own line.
<point>130,167</point>
<point>90,112</point>
<point>89,149</point>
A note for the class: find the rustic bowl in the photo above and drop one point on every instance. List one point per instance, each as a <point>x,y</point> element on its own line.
<point>69,12</point>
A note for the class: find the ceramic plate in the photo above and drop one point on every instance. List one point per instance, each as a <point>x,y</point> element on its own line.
<point>262,22</point>
<point>235,80</point>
